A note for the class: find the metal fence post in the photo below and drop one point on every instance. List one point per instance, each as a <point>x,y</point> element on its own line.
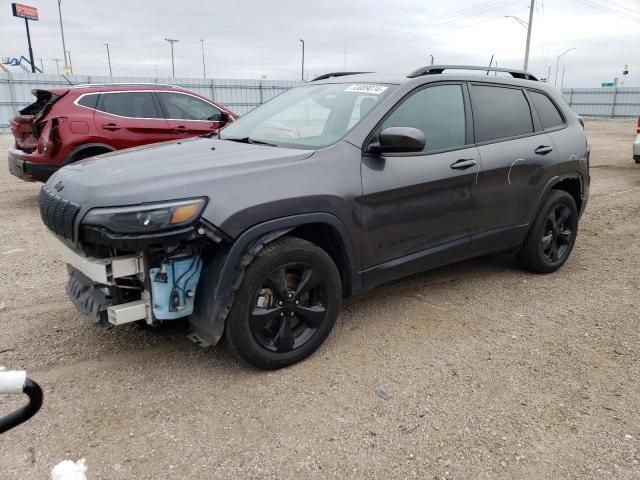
<point>213,89</point>
<point>613,102</point>
<point>261,93</point>
<point>570,96</point>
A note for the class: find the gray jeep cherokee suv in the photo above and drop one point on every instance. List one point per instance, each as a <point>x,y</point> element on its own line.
<point>328,190</point>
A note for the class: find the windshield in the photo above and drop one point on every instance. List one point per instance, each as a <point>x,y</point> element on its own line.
<point>312,116</point>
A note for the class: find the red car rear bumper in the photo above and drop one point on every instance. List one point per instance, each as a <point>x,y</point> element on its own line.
<point>23,166</point>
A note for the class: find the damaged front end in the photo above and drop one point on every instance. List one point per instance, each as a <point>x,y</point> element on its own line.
<point>133,264</point>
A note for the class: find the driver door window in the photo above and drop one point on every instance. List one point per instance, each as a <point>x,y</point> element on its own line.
<point>438,112</point>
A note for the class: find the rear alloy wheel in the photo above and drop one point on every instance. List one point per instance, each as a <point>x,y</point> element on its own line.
<point>552,234</point>
<point>286,306</point>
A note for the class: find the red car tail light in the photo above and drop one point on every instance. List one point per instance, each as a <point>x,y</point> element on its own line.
<point>638,129</point>
<point>45,143</point>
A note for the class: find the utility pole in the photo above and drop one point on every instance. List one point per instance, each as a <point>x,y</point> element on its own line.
<point>64,47</point>
<point>302,70</point>
<point>555,80</point>
<point>70,64</point>
<point>57,60</point>
<point>529,26</point>
<point>109,59</point>
<point>204,66</point>
<point>173,68</point>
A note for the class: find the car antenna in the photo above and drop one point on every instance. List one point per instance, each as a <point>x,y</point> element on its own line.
<point>65,77</point>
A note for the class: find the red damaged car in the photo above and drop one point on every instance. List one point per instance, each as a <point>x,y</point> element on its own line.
<point>65,125</point>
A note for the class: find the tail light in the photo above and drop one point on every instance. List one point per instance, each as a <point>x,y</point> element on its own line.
<point>44,142</point>
<point>638,129</point>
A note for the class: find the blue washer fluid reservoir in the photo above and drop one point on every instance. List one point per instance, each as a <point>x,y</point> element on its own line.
<point>173,286</point>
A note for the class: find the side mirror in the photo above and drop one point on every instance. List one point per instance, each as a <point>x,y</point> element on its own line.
<point>225,117</point>
<point>398,140</point>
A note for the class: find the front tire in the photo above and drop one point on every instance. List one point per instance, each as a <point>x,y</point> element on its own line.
<point>552,234</point>
<point>286,306</point>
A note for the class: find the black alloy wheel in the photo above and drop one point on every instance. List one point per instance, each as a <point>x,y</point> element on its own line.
<point>557,234</point>
<point>289,307</point>
<point>286,305</point>
<point>552,233</point>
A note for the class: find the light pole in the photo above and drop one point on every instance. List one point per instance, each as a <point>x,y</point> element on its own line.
<point>173,68</point>
<point>527,27</point>
<point>302,74</point>
<point>64,47</point>
<point>431,59</point>
<point>555,80</point>
<point>204,66</point>
<point>109,59</point>
<point>57,60</point>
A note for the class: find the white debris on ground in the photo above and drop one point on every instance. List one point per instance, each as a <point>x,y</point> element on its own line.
<point>70,470</point>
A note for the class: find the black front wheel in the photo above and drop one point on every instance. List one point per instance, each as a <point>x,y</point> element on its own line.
<point>286,306</point>
<point>552,234</point>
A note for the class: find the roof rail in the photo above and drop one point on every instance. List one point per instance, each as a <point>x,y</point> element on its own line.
<point>437,69</point>
<point>336,74</point>
<point>123,84</point>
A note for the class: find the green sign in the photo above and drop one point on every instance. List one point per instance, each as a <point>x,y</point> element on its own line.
<point>608,84</point>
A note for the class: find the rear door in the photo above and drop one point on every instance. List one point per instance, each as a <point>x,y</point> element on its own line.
<point>129,119</point>
<point>420,207</point>
<point>188,115</point>
<point>515,153</point>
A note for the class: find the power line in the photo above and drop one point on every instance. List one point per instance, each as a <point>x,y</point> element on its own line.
<point>602,8</point>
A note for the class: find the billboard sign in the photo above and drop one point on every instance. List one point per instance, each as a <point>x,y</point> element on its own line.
<point>24,11</point>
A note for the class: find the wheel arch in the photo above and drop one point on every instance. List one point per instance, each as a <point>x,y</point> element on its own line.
<point>572,183</point>
<point>74,154</point>
<point>216,292</point>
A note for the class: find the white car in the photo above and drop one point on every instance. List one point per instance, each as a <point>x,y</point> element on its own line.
<point>636,144</point>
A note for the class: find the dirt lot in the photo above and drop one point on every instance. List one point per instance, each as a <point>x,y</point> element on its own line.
<point>493,372</point>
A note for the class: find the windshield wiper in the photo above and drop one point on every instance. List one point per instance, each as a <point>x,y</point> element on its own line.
<point>250,140</point>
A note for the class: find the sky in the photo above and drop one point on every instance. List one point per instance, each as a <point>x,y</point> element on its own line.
<point>256,38</point>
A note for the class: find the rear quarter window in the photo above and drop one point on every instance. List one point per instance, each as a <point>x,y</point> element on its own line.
<point>549,115</point>
<point>500,112</point>
<point>89,101</point>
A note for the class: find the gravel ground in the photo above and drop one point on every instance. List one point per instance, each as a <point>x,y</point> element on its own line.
<point>488,371</point>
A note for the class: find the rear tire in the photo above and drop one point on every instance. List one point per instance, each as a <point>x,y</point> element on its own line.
<point>286,306</point>
<point>552,234</point>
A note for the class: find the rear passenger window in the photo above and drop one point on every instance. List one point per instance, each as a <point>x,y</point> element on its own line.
<point>129,104</point>
<point>438,112</point>
<point>547,111</point>
<point>89,100</point>
<point>500,112</point>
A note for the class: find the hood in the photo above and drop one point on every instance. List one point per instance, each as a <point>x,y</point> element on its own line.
<point>165,171</point>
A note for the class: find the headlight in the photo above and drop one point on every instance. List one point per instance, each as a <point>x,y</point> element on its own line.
<point>146,218</point>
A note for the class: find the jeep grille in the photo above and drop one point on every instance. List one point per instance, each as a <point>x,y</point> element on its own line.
<point>57,213</point>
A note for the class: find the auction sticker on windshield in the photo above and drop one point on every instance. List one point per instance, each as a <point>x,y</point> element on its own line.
<point>372,89</point>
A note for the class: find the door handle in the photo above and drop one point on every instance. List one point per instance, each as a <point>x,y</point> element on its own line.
<point>180,129</point>
<point>543,150</point>
<point>110,126</point>
<point>463,164</point>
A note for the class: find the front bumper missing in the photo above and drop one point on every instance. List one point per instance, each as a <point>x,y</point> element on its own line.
<point>100,270</point>
<point>89,277</point>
